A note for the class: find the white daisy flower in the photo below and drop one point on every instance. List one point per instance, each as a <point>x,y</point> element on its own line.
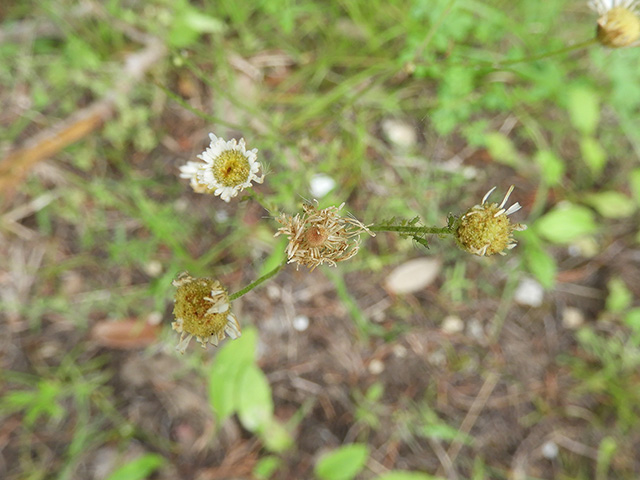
<point>228,168</point>
<point>619,23</point>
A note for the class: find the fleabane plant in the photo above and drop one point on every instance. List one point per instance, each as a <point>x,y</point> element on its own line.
<point>317,236</point>
<point>226,168</point>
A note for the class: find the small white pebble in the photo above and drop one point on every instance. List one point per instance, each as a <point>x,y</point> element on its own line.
<point>376,367</point>
<point>452,324</point>
<point>529,292</point>
<point>399,351</point>
<point>399,132</point>
<point>321,184</point>
<point>475,329</point>
<point>572,317</point>
<point>154,318</point>
<point>300,323</point>
<point>153,268</point>
<point>550,450</point>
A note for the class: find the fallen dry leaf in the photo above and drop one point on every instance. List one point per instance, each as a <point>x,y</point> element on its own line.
<point>125,334</point>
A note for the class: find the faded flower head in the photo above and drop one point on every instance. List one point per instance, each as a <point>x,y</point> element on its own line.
<point>321,236</point>
<point>226,168</point>
<point>485,229</point>
<point>618,24</point>
<point>202,310</point>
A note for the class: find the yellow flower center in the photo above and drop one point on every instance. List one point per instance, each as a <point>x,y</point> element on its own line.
<point>619,27</point>
<point>191,306</point>
<point>231,168</point>
<point>479,228</point>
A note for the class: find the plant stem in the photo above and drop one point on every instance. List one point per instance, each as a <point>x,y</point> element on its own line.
<point>412,230</point>
<point>257,282</point>
<point>542,56</point>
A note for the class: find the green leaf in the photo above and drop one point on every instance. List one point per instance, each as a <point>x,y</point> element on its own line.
<point>275,436</point>
<point>611,204</point>
<point>584,109</point>
<point>619,298</point>
<point>593,155</point>
<point>551,167</point>
<point>266,467</point>
<point>565,223</point>
<point>541,265</point>
<point>225,375</point>
<point>139,468</point>
<point>634,184</point>
<point>501,148</point>
<point>404,475</point>
<point>343,463</point>
<point>255,405</point>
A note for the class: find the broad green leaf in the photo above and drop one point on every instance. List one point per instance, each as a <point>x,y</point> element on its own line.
<point>632,319</point>
<point>224,379</point>
<point>266,467</point>
<point>342,464</point>
<point>611,204</point>
<point>139,468</point>
<point>255,405</point>
<point>404,475</point>
<point>541,265</point>
<point>501,148</point>
<point>584,109</point>
<point>275,437</point>
<point>593,154</point>
<point>551,167</point>
<point>619,298</point>
<point>634,183</point>
<point>566,223</point>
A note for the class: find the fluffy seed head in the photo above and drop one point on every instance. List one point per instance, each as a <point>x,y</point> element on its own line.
<point>321,236</point>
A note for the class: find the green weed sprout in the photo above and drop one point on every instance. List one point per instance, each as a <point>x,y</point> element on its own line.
<point>316,237</point>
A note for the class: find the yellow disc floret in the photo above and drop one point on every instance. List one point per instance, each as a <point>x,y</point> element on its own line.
<point>485,229</point>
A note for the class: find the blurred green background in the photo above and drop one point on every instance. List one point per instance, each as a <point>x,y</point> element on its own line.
<point>516,367</point>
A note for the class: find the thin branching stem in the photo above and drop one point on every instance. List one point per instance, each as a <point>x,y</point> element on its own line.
<point>408,229</point>
<point>257,282</point>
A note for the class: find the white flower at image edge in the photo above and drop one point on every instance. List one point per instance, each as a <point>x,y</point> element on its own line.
<point>228,168</point>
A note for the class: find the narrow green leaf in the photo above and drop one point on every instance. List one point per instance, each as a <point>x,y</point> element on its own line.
<point>551,167</point>
<point>593,154</point>
<point>139,468</point>
<point>634,184</point>
<point>343,463</point>
<point>584,109</point>
<point>566,223</point>
<point>501,148</point>
<point>275,437</point>
<point>620,297</point>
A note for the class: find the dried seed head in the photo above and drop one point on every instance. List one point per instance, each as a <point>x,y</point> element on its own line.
<point>485,229</point>
<point>202,310</point>
<point>321,236</point>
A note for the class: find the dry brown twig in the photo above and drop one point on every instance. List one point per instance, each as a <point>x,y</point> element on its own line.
<point>15,165</point>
